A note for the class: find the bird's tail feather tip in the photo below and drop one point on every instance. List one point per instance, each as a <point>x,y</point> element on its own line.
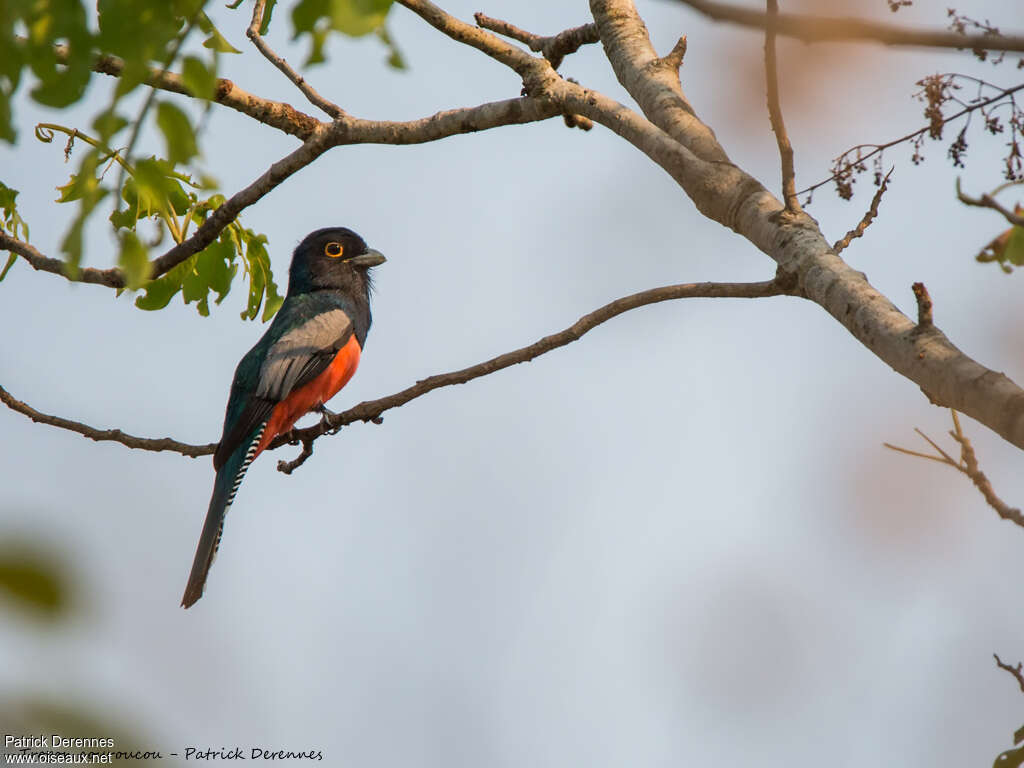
<point>191,596</point>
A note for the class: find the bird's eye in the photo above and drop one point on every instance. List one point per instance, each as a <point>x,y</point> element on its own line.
<point>334,250</point>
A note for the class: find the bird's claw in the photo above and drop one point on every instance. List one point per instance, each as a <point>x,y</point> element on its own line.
<point>325,419</point>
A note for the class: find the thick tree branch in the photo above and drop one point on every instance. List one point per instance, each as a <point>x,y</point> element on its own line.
<point>371,410</point>
<point>819,29</point>
<point>452,122</point>
<point>771,73</point>
<point>652,80</point>
<point>688,150</point>
<point>114,435</point>
<point>728,195</point>
<point>253,33</point>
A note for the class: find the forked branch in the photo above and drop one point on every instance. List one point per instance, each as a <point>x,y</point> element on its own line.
<point>968,465</point>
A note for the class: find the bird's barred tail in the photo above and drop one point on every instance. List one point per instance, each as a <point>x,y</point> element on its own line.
<point>229,477</point>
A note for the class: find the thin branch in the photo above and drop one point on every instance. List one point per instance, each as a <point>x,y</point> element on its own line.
<point>276,114</point>
<point>314,98</point>
<point>371,410</point>
<point>511,56</point>
<point>969,466</point>
<point>775,111</point>
<point>114,435</point>
<point>319,143</point>
<point>987,201</point>
<point>818,29</point>
<point>287,467</point>
<point>553,48</point>
<point>877,148</point>
<point>869,216</point>
<point>1017,672</point>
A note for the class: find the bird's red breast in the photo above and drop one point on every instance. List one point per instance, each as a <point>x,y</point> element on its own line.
<point>318,391</point>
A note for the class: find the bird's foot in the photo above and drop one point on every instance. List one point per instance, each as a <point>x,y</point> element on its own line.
<point>326,414</point>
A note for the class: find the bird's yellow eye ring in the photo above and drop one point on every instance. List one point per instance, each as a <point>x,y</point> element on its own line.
<point>334,250</point>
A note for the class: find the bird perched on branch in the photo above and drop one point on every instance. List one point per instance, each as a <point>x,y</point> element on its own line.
<point>308,353</point>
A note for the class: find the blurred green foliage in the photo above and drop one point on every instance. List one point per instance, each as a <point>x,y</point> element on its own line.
<point>54,43</point>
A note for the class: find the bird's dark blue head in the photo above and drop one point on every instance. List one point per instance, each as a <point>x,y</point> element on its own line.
<point>334,258</point>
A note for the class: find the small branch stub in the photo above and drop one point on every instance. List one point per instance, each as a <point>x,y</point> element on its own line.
<point>674,58</point>
<point>924,306</point>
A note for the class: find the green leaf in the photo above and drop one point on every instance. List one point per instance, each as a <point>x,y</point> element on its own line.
<point>84,187</point>
<point>358,17</point>
<point>351,17</point>
<point>1014,252</point>
<point>49,22</point>
<point>159,292</point>
<point>216,41</point>
<point>1013,758</point>
<point>11,220</point>
<point>177,131</point>
<point>261,279</point>
<point>7,268</point>
<point>395,58</point>
<point>216,266</point>
<point>268,12</point>
<point>198,78</point>
<point>108,124</point>
<point>133,261</point>
<point>141,32</point>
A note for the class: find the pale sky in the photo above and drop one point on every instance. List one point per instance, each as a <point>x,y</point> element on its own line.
<point>678,541</point>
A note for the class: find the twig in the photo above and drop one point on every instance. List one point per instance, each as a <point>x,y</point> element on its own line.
<point>553,48</point>
<point>869,216</point>
<point>287,467</point>
<point>114,435</point>
<point>968,465</point>
<point>987,201</point>
<point>1017,672</point>
<point>314,98</point>
<point>924,307</point>
<point>275,114</point>
<point>775,111</point>
<point>877,148</point>
<point>674,58</point>
<point>818,29</point>
<point>372,410</point>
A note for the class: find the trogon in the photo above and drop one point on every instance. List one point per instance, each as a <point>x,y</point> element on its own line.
<point>308,353</point>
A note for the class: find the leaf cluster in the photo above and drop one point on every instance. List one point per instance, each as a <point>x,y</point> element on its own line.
<point>59,44</point>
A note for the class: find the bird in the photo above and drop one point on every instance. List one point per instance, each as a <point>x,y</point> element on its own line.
<point>309,352</point>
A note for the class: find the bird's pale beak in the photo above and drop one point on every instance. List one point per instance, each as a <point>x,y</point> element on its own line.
<point>371,258</point>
